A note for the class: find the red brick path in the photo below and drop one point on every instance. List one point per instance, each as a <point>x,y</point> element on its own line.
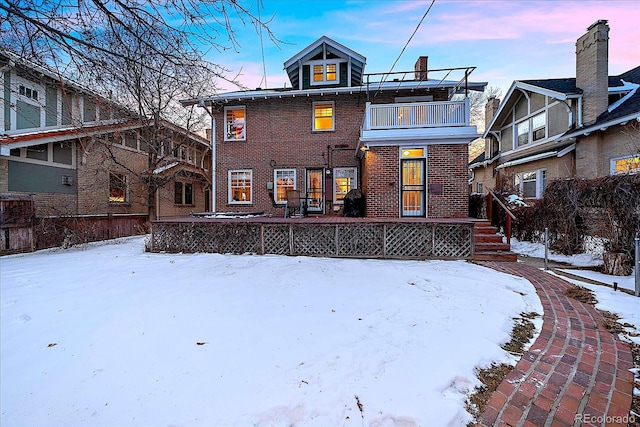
<point>575,370</point>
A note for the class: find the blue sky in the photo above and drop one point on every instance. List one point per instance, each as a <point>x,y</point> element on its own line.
<point>505,40</point>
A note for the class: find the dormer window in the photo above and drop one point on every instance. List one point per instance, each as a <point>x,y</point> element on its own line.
<point>325,73</point>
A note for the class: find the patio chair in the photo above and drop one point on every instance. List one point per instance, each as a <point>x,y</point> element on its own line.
<point>293,203</point>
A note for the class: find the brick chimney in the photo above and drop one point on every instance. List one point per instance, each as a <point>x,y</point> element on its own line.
<point>421,68</point>
<point>592,70</point>
<point>490,109</point>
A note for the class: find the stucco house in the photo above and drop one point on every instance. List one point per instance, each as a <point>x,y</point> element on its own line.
<point>586,127</point>
<point>76,153</point>
<point>400,138</point>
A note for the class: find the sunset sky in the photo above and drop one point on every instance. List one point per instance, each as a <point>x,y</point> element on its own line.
<point>505,40</point>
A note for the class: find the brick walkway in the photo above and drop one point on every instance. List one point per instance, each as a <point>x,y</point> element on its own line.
<point>575,368</point>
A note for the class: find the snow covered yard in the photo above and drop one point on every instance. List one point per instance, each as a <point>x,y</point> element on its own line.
<point>109,335</point>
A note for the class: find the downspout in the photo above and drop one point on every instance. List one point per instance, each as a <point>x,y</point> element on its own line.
<point>213,155</point>
<point>213,163</point>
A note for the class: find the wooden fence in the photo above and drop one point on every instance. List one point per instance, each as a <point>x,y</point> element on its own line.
<point>17,217</point>
<point>68,231</point>
<point>361,239</point>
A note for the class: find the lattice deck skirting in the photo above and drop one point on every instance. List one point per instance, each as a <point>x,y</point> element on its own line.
<point>401,240</point>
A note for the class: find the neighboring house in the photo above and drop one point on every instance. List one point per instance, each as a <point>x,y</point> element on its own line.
<point>77,153</point>
<point>399,138</point>
<point>549,129</point>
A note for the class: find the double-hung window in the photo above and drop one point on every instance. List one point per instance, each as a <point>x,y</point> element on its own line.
<point>118,188</point>
<point>183,193</point>
<point>324,73</point>
<point>532,129</point>
<point>234,124</point>
<point>323,116</point>
<point>285,180</point>
<point>240,186</point>
<point>344,180</point>
<point>531,184</point>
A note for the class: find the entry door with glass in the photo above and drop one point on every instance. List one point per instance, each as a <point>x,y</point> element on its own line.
<point>315,190</point>
<point>412,190</point>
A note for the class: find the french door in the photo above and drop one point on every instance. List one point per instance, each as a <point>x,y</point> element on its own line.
<point>412,190</point>
<point>315,190</point>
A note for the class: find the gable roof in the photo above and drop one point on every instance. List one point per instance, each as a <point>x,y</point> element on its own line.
<point>357,61</point>
<point>564,88</point>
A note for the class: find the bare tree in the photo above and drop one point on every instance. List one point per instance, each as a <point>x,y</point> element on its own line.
<point>143,55</point>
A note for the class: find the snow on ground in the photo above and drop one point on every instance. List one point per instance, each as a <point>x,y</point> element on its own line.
<point>536,250</point>
<point>615,301</point>
<point>110,335</point>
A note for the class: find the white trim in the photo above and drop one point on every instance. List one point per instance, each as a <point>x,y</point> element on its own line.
<point>324,64</point>
<point>333,116</point>
<point>275,183</point>
<point>539,180</point>
<point>353,186</point>
<point>229,192</point>
<point>243,136</point>
<point>527,159</point>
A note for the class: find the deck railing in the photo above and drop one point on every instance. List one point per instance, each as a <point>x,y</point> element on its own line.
<point>417,115</point>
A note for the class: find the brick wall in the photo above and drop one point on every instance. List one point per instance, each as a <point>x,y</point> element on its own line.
<point>4,175</point>
<point>279,136</point>
<point>382,189</point>
<point>594,152</point>
<point>447,164</point>
<point>93,179</point>
<point>592,70</point>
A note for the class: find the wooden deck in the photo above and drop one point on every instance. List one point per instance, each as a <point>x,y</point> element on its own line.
<point>395,238</point>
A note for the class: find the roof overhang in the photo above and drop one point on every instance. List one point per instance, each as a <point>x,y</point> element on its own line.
<point>539,156</point>
<point>389,86</point>
<point>522,86</point>
<point>585,131</point>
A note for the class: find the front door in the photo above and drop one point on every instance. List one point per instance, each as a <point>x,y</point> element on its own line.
<point>315,190</point>
<point>412,191</point>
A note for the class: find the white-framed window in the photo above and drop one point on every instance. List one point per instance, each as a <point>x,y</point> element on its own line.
<point>625,165</point>
<point>344,180</point>
<point>183,193</point>
<point>62,154</point>
<point>240,186</point>
<point>284,180</point>
<point>479,188</point>
<point>28,92</point>
<point>531,184</point>
<point>118,188</point>
<point>531,130</point>
<point>325,73</point>
<point>323,116</point>
<point>235,124</point>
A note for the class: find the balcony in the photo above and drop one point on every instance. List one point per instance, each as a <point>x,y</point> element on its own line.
<point>417,121</point>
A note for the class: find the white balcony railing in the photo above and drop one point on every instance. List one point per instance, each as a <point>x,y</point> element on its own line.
<point>417,115</point>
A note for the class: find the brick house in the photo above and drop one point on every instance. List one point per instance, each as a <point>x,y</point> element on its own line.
<point>76,153</point>
<point>400,138</point>
<point>586,127</point>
